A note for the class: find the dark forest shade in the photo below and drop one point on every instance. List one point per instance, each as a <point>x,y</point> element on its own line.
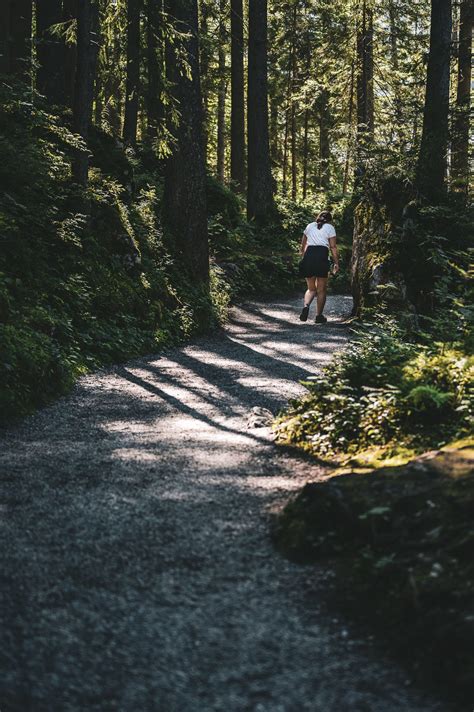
<point>50,51</point>
<point>132,84</point>
<point>260,205</point>
<point>185,210</point>
<point>237,120</point>
<point>17,43</point>
<point>82,89</point>
<point>460,141</point>
<point>69,16</point>
<point>154,61</point>
<point>432,162</point>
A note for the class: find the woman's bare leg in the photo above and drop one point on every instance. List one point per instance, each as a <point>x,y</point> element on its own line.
<point>310,293</point>
<point>322,285</point>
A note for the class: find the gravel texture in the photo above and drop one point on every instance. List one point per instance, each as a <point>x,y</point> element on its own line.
<point>137,569</point>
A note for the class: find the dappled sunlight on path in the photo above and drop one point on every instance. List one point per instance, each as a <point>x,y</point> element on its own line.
<point>138,572</point>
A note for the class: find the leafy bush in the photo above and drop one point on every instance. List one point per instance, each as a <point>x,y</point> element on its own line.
<point>381,390</point>
<point>85,279</point>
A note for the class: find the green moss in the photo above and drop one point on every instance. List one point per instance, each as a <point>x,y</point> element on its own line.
<point>401,540</point>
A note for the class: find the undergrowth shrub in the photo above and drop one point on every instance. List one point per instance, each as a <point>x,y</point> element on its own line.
<point>383,389</point>
<point>85,279</point>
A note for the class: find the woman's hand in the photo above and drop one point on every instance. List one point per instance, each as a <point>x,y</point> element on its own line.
<point>335,268</point>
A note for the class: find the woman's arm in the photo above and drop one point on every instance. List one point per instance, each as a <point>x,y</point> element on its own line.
<point>335,256</point>
<point>303,244</point>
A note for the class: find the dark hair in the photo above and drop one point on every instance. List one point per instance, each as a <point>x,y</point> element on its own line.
<point>323,218</point>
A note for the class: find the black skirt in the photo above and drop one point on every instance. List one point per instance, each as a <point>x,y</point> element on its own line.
<point>315,262</point>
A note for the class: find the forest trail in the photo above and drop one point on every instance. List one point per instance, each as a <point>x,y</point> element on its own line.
<point>138,574</point>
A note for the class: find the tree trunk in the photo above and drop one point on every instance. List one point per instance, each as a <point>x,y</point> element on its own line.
<point>49,51</point>
<point>399,124</point>
<point>221,95</point>
<point>185,212</point>
<point>4,38</point>
<point>205,58</point>
<point>154,106</point>
<point>260,205</point>
<point>324,144</point>
<point>285,152</point>
<point>132,84</point>
<point>294,164</point>
<point>432,160</point>
<point>20,38</point>
<point>237,119</point>
<point>345,181</point>
<point>82,92</point>
<point>94,85</point>
<point>365,83</point>
<point>305,152</point>
<point>460,142</point>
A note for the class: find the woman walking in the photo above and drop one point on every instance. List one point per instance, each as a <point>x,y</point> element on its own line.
<point>318,238</point>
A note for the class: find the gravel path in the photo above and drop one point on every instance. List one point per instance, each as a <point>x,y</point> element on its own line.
<point>137,570</point>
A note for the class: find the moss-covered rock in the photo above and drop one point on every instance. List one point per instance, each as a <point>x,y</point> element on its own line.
<point>402,539</point>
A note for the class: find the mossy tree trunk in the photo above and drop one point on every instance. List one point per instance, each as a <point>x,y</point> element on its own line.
<point>260,204</point>
<point>432,159</point>
<point>185,212</point>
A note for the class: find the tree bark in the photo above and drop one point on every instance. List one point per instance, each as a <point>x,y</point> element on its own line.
<point>154,105</point>
<point>82,89</point>
<point>185,212</point>
<point>260,205</point>
<point>237,119</point>
<point>399,123</point>
<point>205,60</point>
<point>350,112</point>
<point>365,83</point>
<point>49,51</point>
<point>324,144</point>
<point>305,152</point>
<point>460,141</point>
<point>294,160</point>
<point>221,95</point>
<point>132,83</point>
<point>432,159</point>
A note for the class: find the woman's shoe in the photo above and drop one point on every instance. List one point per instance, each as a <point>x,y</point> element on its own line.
<point>304,314</point>
<point>320,319</point>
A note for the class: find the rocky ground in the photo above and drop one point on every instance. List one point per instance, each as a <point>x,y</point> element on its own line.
<point>138,573</point>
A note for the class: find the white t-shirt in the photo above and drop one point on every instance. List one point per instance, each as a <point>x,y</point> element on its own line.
<point>319,237</point>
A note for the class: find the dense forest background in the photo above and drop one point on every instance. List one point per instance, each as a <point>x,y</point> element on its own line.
<point>162,157</point>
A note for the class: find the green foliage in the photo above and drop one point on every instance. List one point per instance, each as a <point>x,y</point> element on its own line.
<point>383,389</point>
<point>85,279</point>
